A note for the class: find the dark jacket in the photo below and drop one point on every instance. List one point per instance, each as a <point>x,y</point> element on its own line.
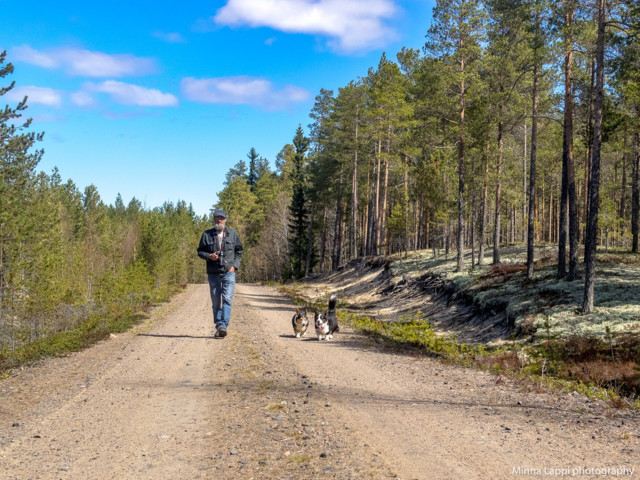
<point>232,249</point>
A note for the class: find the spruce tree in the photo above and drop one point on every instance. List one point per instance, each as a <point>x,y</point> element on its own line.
<point>298,227</point>
<point>252,178</point>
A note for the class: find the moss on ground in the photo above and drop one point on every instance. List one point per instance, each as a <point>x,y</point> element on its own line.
<point>543,305</point>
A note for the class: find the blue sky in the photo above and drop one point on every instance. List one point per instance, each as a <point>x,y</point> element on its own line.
<point>157,100</point>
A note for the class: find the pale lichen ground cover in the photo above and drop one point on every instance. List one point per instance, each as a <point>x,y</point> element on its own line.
<point>544,306</point>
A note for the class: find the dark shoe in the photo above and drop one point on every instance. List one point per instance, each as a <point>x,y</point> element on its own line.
<point>222,332</point>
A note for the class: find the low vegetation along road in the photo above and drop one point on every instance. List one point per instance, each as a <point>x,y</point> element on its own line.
<point>168,401</point>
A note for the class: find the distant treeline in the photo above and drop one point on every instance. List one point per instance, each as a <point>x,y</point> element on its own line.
<point>517,121</point>
<point>67,258</point>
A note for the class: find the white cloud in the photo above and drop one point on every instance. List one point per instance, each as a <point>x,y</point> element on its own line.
<point>242,90</point>
<point>128,94</point>
<point>83,99</point>
<point>29,55</point>
<point>169,37</point>
<point>351,25</point>
<point>85,62</point>
<point>41,95</point>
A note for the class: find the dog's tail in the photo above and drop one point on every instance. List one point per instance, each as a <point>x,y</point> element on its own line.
<point>332,302</point>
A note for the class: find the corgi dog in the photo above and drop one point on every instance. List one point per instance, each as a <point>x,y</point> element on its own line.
<point>327,323</point>
<point>300,323</point>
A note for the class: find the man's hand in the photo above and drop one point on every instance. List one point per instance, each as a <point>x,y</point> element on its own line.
<point>232,269</point>
<point>213,256</point>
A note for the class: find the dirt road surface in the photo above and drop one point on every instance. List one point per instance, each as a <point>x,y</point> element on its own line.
<point>167,401</point>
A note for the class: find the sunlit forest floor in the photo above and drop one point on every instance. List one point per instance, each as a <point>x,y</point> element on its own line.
<point>544,306</point>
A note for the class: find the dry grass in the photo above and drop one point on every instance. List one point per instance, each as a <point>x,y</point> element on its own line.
<point>504,361</point>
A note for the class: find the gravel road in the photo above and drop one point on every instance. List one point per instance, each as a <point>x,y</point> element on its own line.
<point>168,401</point>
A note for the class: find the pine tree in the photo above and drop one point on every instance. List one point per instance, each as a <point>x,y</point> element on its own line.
<point>239,170</point>
<point>568,206</point>
<point>455,36</point>
<point>608,12</point>
<point>348,118</point>
<point>17,165</point>
<point>537,13</point>
<point>627,68</point>
<point>325,174</point>
<point>504,66</point>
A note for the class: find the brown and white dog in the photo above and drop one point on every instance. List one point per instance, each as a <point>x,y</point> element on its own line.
<point>327,323</point>
<point>300,323</point>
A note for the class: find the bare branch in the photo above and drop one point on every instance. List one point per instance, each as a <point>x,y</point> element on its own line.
<point>550,118</point>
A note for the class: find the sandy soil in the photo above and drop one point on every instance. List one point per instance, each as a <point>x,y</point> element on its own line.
<point>168,401</point>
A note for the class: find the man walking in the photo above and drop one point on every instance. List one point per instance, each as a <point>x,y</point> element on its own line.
<point>220,246</point>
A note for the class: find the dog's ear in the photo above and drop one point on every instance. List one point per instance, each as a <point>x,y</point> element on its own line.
<point>298,311</point>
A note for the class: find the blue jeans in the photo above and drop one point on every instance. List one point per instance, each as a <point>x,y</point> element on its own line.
<point>221,287</point>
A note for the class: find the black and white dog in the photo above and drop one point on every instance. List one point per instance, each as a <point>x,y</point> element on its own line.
<point>327,322</point>
<point>300,323</point>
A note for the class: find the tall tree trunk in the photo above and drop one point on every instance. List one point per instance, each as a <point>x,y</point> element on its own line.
<point>483,214</point>
<point>307,265</point>
<point>568,123</point>
<point>473,231</point>
<point>447,238</point>
<point>551,220</point>
<point>337,240</point>
<point>589,151</point>
<point>377,233</point>
<point>532,174</point>
<point>323,239</point>
<point>417,224</point>
<point>427,233</point>
<point>353,241</point>
<point>343,229</point>
<point>405,163</point>
<point>513,224</point>
<point>383,211</point>
<point>373,209</point>
<point>541,231</point>
<point>635,194</point>
<point>524,184</point>
<point>567,157</point>
<point>623,189</point>
<point>460,257</point>
<point>496,231</point>
<point>594,178</point>
<point>366,228</point>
